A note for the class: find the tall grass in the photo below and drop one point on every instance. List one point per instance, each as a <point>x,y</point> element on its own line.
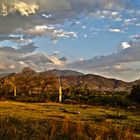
<point>15,129</point>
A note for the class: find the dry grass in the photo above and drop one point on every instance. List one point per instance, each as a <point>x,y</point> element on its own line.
<point>47,121</point>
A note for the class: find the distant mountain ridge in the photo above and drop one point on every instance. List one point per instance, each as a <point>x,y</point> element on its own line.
<point>63,72</point>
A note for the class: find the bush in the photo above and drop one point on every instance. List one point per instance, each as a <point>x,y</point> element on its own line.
<point>31,99</point>
<point>114,100</point>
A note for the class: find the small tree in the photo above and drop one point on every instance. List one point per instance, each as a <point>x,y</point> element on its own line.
<point>8,86</point>
<point>44,82</point>
<point>5,87</point>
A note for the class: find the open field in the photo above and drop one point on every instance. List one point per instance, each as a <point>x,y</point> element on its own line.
<point>40,116</point>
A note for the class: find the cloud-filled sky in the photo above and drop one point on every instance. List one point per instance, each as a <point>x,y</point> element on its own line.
<point>91,36</point>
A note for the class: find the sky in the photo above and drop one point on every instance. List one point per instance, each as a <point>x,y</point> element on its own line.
<point>91,36</point>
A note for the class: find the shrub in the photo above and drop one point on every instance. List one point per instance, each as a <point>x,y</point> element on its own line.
<point>135,94</point>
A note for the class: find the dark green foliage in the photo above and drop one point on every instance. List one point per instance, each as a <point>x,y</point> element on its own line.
<point>96,98</point>
<point>114,100</point>
<point>135,94</point>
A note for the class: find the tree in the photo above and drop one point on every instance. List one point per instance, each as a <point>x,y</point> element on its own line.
<point>25,81</point>
<point>135,93</point>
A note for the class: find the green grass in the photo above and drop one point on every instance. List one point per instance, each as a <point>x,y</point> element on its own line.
<point>46,119</point>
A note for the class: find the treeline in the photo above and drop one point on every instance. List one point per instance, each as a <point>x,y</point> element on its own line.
<point>29,86</point>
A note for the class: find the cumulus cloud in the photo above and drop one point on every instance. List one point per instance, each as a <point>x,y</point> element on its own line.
<point>59,11</point>
<point>14,60</point>
<point>23,8</point>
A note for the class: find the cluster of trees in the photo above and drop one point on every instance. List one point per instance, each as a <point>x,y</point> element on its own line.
<point>95,97</point>
<point>28,83</point>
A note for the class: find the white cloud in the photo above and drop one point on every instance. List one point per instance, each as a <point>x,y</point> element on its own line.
<point>114,13</point>
<point>25,9</point>
<point>47,16</point>
<point>125,45</point>
<point>130,21</point>
<point>137,24</point>
<point>85,35</point>
<point>84,27</point>
<point>116,30</point>
<point>118,19</point>
<point>51,31</point>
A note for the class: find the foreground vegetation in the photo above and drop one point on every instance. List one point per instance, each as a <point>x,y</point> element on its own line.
<point>55,121</point>
<point>29,86</point>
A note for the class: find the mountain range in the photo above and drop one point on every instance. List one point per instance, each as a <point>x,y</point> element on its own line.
<point>90,81</point>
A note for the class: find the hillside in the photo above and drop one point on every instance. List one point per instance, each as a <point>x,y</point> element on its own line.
<point>71,78</point>
<point>62,72</point>
<point>94,82</point>
<point>4,74</point>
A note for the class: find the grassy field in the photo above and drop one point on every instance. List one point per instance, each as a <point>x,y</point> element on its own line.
<point>48,121</point>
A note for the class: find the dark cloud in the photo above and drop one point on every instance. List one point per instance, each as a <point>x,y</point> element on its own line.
<point>7,37</point>
<point>25,16</point>
<point>15,59</point>
<point>63,59</point>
